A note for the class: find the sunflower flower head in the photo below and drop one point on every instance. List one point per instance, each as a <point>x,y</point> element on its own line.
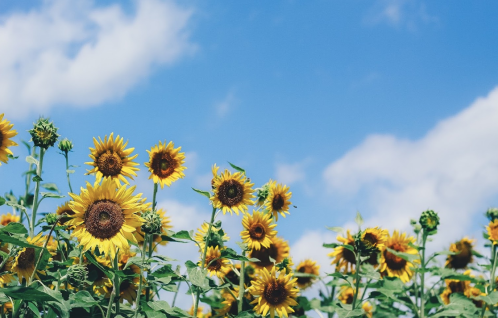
<point>6,133</point>
<point>217,237</point>
<point>277,252</point>
<point>309,268</point>
<point>371,240</point>
<point>232,192</point>
<point>346,295</point>
<point>258,230</point>
<point>429,220</point>
<point>111,159</point>
<point>44,133</point>
<point>106,216</point>
<point>345,259</point>
<point>492,230</point>
<point>215,264</point>
<point>278,200</point>
<point>166,163</point>
<point>463,256</point>
<point>394,266</point>
<point>8,218</point>
<point>6,277</point>
<point>274,294</point>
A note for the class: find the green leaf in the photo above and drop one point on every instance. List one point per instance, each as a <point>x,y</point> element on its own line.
<point>2,201</point>
<point>50,187</point>
<point>369,272</point>
<point>165,271</point>
<point>168,238</point>
<point>14,227</point>
<point>15,205</point>
<point>135,260</point>
<point>239,169</point>
<point>245,314</point>
<point>31,159</point>
<point>37,178</point>
<point>12,157</point>
<point>336,229</point>
<point>204,193</point>
<point>5,238</point>
<point>184,235</point>
<point>165,258</point>
<point>330,245</point>
<point>107,271</point>
<point>34,309</point>
<point>82,299</point>
<point>159,305</point>
<point>52,195</point>
<point>27,293</point>
<point>70,171</point>
<point>358,219</point>
<point>197,275</point>
<point>243,246</point>
<point>490,299</point>
<point>231,254</point>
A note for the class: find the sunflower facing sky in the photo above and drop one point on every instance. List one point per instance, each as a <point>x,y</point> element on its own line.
<point>394,266</point>
<point>274,294</point>
<point>464,256</point>
<point>232,192</point>
<point>258,230</point>
<point>307,267</point>
<point>6,133</point>
<point>106,216</point>
<point>111,159</point>
<point>344,258</point>
<point>278,250</point>
<point>166,163</point>
<point>278,199</point>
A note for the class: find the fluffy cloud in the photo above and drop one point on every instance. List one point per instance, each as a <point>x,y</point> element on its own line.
<point>406,13</point>
<point>453,170</point>
<point>80,54</point>
<point>290,173</point>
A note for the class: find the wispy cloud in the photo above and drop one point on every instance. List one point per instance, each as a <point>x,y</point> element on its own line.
<point>453,170</point>
<point>290,173</point>
<point>223,107</point>
<point>80,54</point>
<point>399,13</point>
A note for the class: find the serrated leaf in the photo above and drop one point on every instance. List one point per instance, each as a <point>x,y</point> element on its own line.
<point>358,219</point>
<point>231,254</point>
<point>50,187</point>
<point>31,159</point>
<point>204,193</point>
<point>5,238</point>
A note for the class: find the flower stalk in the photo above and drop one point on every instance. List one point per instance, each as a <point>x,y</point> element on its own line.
<point>139,293</point>
<point>241,286</point>
<point>37,193</point>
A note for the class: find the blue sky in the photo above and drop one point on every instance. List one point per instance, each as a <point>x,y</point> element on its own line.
<point>386,107</point>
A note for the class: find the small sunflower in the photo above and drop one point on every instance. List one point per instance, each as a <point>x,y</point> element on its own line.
<point>5,276</point>
<point>307,267</point>
<point>278,250</point>
<point>258,230</point>
<point>374,238</point>
<point>6,132</point>
<point>166,163</point>
<point>201,236</point>
<point>274,294</point>
<point>394,266</point>
<point>346,295</point>
<point>455,286</point>
<point>368,309</point>
<point>7,218</point>
<point>106,216</point>
<point>229,304</point>
<point>110,159</point>
<point>278,199</point>
<point>232,192</point>
<point>215,264</point>
<point>64,209</point>
<point>492,229</point>
<point>344,258</point>
<point>464,257</point>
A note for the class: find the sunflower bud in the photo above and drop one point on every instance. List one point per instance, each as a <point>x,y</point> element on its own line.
<point>152,224</point>
<point>262,194</point>
<point>429,220</point>
<point>51,218</point>
<point>65,145</point>
<point>44,133</point>
<point>77,275</point>
<point>492,214</point>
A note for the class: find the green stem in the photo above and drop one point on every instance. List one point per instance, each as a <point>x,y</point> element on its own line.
<point>28,183</point>
<point>37,192</point>
<point>67,173</point>
<point>357,278</point>
<point>208,235</point>
<point>491,278</point>
<point>422,277</point>
<point>365,290</point>
<point>154,197</point>
<point>149,243</point>
<point>241,286</point>
<point>139,293</point>
<point>415,284</point>
<point>176,294</point>
<point>115,288</point>
<point>43,250</point>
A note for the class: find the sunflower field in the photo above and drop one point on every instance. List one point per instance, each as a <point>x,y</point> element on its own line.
<point>98,255</point>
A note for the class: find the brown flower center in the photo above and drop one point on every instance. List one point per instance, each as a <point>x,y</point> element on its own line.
<point>26,260</point>
<point>264,254</point>
<point>457,286</point>
<point>109,163</point>
<point>370,239</point>
<point>395,262</point>
<point>463,258</point>
<point>275,293</point>
<point>278,202</point>
<point>163,165</point>
<point>231,192</point>
<point>214,265</point>
<point>104,219</point>
<point>348,255</point>
<point>304,280</point>
<point>257,231</point>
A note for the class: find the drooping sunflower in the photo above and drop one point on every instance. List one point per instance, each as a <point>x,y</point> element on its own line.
<point>214,263</point>
<point>278,199</point>
<point>215,240</point>
<point>274,294</point>
<point>166,163</point>
<point>492,229</point>
<point>258,230</point>
<point>106,216</point>
<point>5,275</point>
<point>374,238</point>
<point>307,267</point>
<point>464,256</point>
<point>232,192</point>
<point>6,132</point>
<point>7,218</point>
<point>344,259</point>
<point>278,250</point>
<point>24,262</point>
<point>395,266</point>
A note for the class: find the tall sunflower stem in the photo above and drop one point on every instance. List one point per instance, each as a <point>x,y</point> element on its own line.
<point>422,277</point>
<point>43,250</point>
<point>357,279</point>
<point>148,242</point>
<point>115,288</point>
<point>154,197</point>
<point>208,235</point>
<point>176,294</point>
<point>67,173</point>
<point>241,286</point>
<point>37,193</point>
<point>491,277</point>
<point>28,184</point>
<point>139,293</point>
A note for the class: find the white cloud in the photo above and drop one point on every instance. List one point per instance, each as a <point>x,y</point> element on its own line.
<point>224,106</point>
<point>406,13</point>
<point>290,173</point>
<point>80,54</point>
<point>453,170</point>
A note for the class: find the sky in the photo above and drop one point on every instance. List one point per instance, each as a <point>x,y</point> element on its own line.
<point>388,108</point>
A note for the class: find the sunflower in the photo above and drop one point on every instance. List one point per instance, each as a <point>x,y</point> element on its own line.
<point>346,295</point>
<point>232,192</point>
<point>102,284</point>
<point>394,266</point>
<point>66,210</point>
<point>278,199</point>
<point>6,132</point>
<point>5,276</point>
<point>278,250</point>
<point>24,262</point>
<point>274,294</point>
<point>229,303</point>
<point>258,230</point>
<point>7,218</point>
<point>128,287</point>
<point>368,309</point>
<point>214,263</point>
<point>464,257</point>
<point>166,163</point>
<point>201,236</point>
<point>344,258</point>
<point>7,307</point>
<point>374,238</point>
<point>492,229</point>
<point>307,267</point>
<point>106,216</point>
